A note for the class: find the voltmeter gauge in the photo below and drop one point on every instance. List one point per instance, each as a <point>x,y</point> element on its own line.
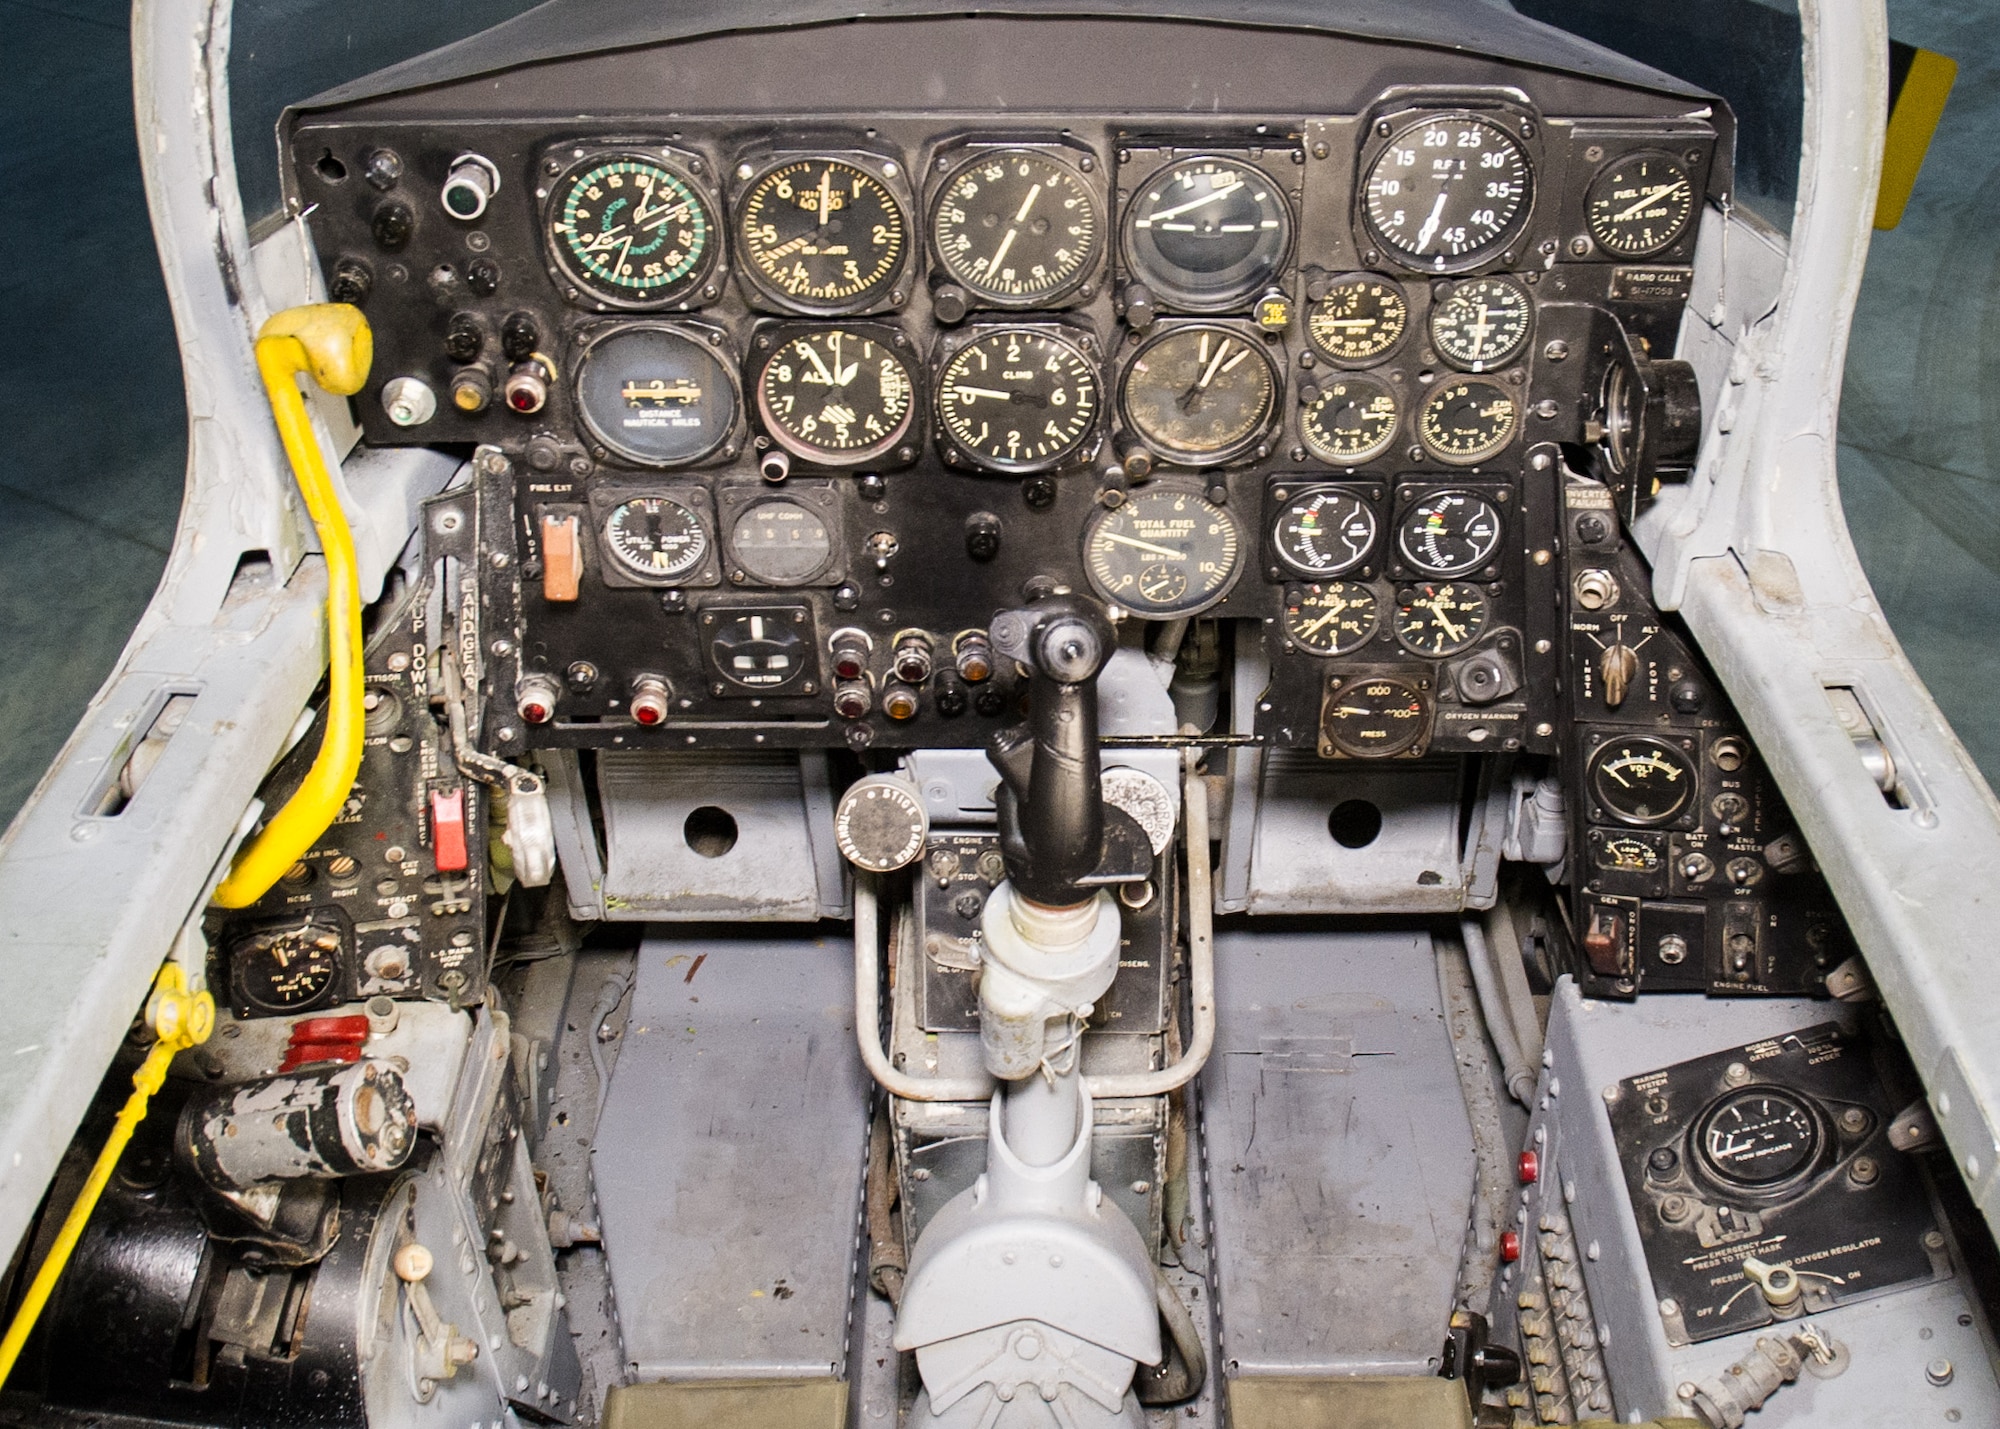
<point>1373,718</point>
<point>1165,552</point>
<point>1330,618</point>
<point>1758,1137</point>
<point>1639,205</point>
<point>1359,319</point>
<point>823,235</point>
<point>1206,233</point>
<point>1199,395</point>
<point>1440,618</point>
<point>288,969</point>
<point>632,229</point>
<point>1482,324</point>
<point>881,824</point>
<point>1447,192</point>
<point>1642,781</point>
<point>836,397</point>
<point>1467,420</point>
<point>1324,533</point>
<point>1449,533</point>
<point>655,538</point>
<point>1352,420</point>
<point>1018,228</point>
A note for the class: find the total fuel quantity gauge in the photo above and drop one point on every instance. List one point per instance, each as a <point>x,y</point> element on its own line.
<point>1165,551</point>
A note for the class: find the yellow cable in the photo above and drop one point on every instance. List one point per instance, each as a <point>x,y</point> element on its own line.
<point>331,341</point>
<point>178,1020</point>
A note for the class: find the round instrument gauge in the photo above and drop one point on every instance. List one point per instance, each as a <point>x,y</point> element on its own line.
<point>1017,228</point>
<point>1359,319</point>
<point>1352,420</point>
<point>1482,324</point>
<point>288,969</point>
<point>1330,618</point>
<point>836,397</point>
<point>1165,552</point>
<point>656,395</point>
<point>1374,718</point>
<point>1628,853</point>
<point>631,230</point>
<point>1639,205</point>
<point>1436,619</point>
<point>1199,395</point>
<point>1324,533</point>
<point>1642,781</point>
<point>823,235</point>
<point>1449,533</point>
<point>1757,1137</point>
<point>780,542</point>
<point>1206,233</point>
<point>1467,420</point>
<point>1018,399</point>
<point>1447,192</point>
<point>655,538</point>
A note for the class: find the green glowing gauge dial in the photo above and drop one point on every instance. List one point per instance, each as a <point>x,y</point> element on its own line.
<point>631,230</point>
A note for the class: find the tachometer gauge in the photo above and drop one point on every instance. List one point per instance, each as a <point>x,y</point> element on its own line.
<point>655,538</point>
<point>1206,233</point>
<point>1642,781</point>
<point>836,396</point>
<point>823,235</point>
<point>781,543</point>
<point>1359,319</point>
<point>656,395</point>
<point>1449,533</point>
<point>1330,618</point>
<point>1352,420</point>
<point>1467,420</point>
<point>631,229</point>
<point>1639,205</point>
<point>1199,395</point>
<point>1447,192</point>
<point>1324,533</point>
<point>288,969</point>
<point>1756,1137</point>
<point>1018,399</point>
<point>1017,228</point>
<point>1482,324</point>
<point>1372,718</point>
<point>1166,551</point>
<point>1439,619</point>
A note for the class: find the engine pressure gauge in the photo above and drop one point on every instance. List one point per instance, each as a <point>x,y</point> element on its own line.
<point>836,396</point>
<point>1375,717</point>
<point>1447,192</point>
<point>288,969</point>
<point>1465,421</point>
<point>1482,324</point>
<point>1330,618</point>
<point>1440,618</point>
<point>1640,204</point>
<point>1758,1137</point>
<point>1353,420</point>
<point>1165,552</point>
<point>1199,395</point>
<point>632,229</point>
<point>1449,533</point>
<point>655,538</point>
<point>1017,228</point>
<point>1359,319</point>
<point>1018,399</point>
<point>1206,233</point>
<point>1642,781</point>
<point>656,395</point>
<point>823,235</point>
<point>1324,533</point>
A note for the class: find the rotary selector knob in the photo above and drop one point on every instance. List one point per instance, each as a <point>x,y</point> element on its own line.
<point>881,824</point>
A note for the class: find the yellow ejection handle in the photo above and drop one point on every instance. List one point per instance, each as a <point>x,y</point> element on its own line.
<point>332,342</point>
<point>178,1020</point>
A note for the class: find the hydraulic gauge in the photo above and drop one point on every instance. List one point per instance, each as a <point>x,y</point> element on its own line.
<point>1482,324</point>
<point>655,538</point>
<point>780,542</point>
<point>836,396</point>
<point>1165,552</point>
<point>656,395</point>
<point>1199,395</point>
<point>1467,420</point>
<point>1642,781</point>
<point>1017,228</point>
<point>1206,233</point>
<point>631,229</point>
<point>1449,533</point>
<point>1447,192</point>
<point>1352,420</point>
<point>1359,319</point>
<point>1438,619</point>
<point>1330,618</point>
<point>1018,399</point>
<point>823,235</point>
<point>1757,1137</point>
<point>1373,718</point>
<point>288,969</point>
<point>1324,533</point>
<point>1639,205</point>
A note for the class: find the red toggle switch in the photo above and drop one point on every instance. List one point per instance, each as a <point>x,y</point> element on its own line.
<point>324,1039</point>
<point>1530,1168</point>
<point>448,829</point>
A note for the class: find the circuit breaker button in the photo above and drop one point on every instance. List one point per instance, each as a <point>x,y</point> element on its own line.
<point>448,829</point>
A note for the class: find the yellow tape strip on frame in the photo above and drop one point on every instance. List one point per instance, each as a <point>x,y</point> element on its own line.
<point>1914,109</point>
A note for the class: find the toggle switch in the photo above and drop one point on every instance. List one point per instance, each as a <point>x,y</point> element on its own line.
<point>562,557</point>
<point>1618,666</point>
<point>448,830</point>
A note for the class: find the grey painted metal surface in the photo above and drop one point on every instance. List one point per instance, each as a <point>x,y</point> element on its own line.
<point>1339,1153</point>
<point>730,1157</point>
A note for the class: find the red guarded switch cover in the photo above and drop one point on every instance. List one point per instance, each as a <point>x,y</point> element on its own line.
<point>448,829</point>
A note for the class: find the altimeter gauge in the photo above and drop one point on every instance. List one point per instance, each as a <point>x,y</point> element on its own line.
<point>836,396</point>
<point>1018,399</point>
<point>632,229</point>
<point>1199,395</point>
<point>1447,192</point>
<point>823,235</point>
<point>1165,551</point>
<point>1017,228</point>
